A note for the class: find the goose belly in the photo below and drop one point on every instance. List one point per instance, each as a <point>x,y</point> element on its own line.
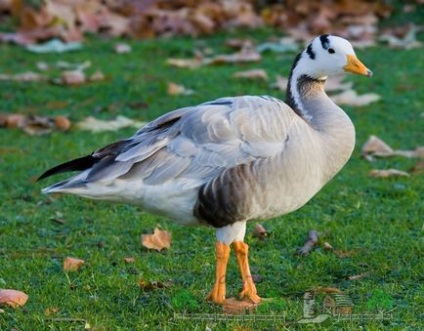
<point>172,199</point>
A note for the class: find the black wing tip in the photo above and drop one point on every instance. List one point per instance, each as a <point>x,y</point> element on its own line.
<point>79,164</point>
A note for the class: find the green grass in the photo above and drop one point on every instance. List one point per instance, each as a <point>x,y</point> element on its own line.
<point>380,220</point>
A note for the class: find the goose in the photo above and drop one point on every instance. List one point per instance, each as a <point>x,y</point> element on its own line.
<point>232,160</point>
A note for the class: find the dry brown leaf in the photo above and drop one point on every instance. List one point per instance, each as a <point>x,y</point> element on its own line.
<point>259,232</point>
<point>359,276</point>
<point>375,146</point>
<point>159,240</point>
<point>185,63</point>
<point>238,43</point>
<point>34,125</point>
<point>12,120</point>
<point>417,152</point>
<point>72,264</point>
<point>384,173</point>
<point>351,98</point>
<point>12,298</point>
<point>252,74</point>
<point>310,243</point>
<point>62,123</point>
<point>232,306</point>
<point>176,89</point>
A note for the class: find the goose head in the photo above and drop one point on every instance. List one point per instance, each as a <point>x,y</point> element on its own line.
<point>329,55</point>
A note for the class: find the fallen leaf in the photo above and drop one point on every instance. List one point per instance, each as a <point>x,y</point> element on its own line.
<point>417,152</point>
<point>252,74</point>
<point>95,125</point>
<point>185,63</point>
<point>62,123</point>
<point>122,48</point>
<point>247,54</point>
<point>407,41</point>
<point>280,83</point>
<point>375,146</point>
<point>11,120</point>
<point>238,43</point>
<point>159,240</point>
<point>384,173</point>
<point>12,298</point>
<point>418,168</point>
<point>360,276</point>
<point>351,98</point>
<point>72,264</point>
<point>310,243</point>
<point>176,89</point>
<point>24,77</point>
<point>73,77</point>
<point>42,66</point>
<point>97,76</point>
<point>130,259</point>
<point>35,125</point>
<point>232,306</point>
<point>150,286</point>
<point>259,232</point>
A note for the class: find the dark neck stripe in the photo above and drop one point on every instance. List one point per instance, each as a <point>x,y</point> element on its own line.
<point>310,52</point>
<point>325,43</point>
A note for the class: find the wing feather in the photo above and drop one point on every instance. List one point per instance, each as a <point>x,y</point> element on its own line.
<point>197,142</point>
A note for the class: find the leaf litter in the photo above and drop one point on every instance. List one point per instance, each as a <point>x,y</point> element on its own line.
<point>97,125</point>
<point>72,264</point>
<point>34,124</point>
<point>159,240</point>
<point>13,298</point>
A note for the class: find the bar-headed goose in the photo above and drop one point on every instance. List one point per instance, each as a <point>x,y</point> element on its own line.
<point>231,160</point>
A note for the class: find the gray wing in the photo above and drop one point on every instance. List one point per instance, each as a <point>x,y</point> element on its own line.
<point>198,142</point>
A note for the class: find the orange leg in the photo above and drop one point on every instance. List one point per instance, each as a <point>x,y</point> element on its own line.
<point>217,294</point>
<point>249,288</point>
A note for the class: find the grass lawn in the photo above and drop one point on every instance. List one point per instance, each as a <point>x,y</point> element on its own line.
<point>379,220</point>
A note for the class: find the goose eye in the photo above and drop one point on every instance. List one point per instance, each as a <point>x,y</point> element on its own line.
<point>331,51</point>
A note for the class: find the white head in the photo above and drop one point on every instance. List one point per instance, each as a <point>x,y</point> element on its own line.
<point>329,55</point>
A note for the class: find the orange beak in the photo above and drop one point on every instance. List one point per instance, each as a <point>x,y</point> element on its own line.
<point>356,67</point>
